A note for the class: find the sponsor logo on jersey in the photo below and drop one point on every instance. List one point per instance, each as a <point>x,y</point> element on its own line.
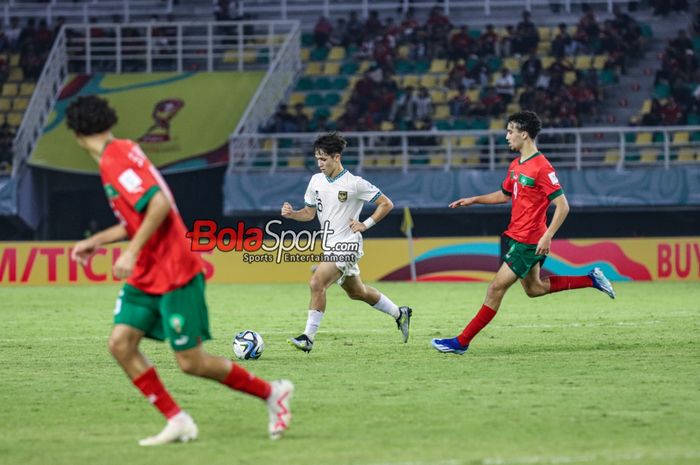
<point>131,181</point>
<point>342,196</point>
<point>111,191</point>
<point>553,178</point>
<point>526,181</point>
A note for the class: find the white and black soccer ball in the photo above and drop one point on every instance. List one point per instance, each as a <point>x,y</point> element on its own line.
<point>248,345</point>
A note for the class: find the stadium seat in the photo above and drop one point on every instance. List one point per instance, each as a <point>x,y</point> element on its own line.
<point>544,47</point>
<point>322,83</point>
<point>20,104</point>
<point>545,33</point>
<point>14,60</point>
<point>583,62</point>
<point>467,141</point>
<point>607,76</point>
<point>387,126</point>
<point>649,156</point>
<point>336,112</point>
<point>410,80</point>
<point>322,112</point>
<point>512,64</point>
<point>313,100</point>
<point>662,90</point>
<point>319,54</point>
<point>442,112</point>
<point>438,66</point>
<point>337,54</point>
<point>437,96</point>
<point>385,160</point>
<point>646,106</point>
<point>404,51</point>
<point>569,77</point>
<point>340,83</point>
<point>16,75</point>
<point>364,66</point>
<point>612,157</point>
<point>680,137</point>
<point>643,138</point>
<point>437,160</point>
<point>331,99</point>
<point>9,89</point>
<point>461,125</point>
<point>295,162</point>
<point>599,61</point>
<point>5,104</point>
<point>686,155</point>
<point>313,69</point>
<point>474,95</point>
<point>296,97</point>
<point>348,68</point>
<point>14,119</point>
<point>496,124</point>
<point>305,83</point>
<point>547,61</point>
<point>305,54</point>
<point>331,69</point>
<point>422,66</point>
<point>429,81</point>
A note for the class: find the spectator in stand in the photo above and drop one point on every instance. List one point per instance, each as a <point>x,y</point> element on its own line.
<point>488,41</point>
<point>403,111</point>
<point>459,104</point>
<point>671,113</point>
<point>461,45</point>
<point>43,37</point>
<point>409,25</point>
<point>354,30</point>
<point>301,121</point>
<point>653,118</point>
<point>664,7</point>
<point>530,70</point>
<point>510,42</point>
<point>505,86</point>
<point>529,36</point>
<point>457,75</point>
<point>681,43</point>
<point>423,104</point>
<point>13,32</point>
<point>588,30</point>
<point>563,44</point>
<point>282,121</point>
<point>339,34</point>
<point>322,31</point>
<point>557,71</point>
<point>493,102</point>
<point>527,99</point>
<point>222,10</point>
<point>373,26</point>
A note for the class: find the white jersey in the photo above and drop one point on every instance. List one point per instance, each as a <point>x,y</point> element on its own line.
<point>338,200</point>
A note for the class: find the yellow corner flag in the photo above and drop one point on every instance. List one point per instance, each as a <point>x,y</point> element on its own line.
<point>407,223</point>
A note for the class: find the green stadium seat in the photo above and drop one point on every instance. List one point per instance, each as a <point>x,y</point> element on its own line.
<point>323,83</point>
<point>348,68</point>
<point>647,31</point>
<point>305,83</point>
<point>322,112</point>
<point>340,83</point>
<point>404,67</point>
<point>443,125</point>
<point>662,90</point>
<point>331,99</point>
<point>422,66</point>
<point>307,40</point>
<point>313,100</point>
<point>319,54</point>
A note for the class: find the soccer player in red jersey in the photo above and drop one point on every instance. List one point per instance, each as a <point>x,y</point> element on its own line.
<point>163,297</point>
<point>531,184</point>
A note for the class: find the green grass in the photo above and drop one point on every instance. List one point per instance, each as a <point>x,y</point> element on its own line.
<point>569,378</point>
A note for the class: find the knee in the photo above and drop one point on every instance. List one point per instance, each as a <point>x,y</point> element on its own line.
<point>532,291</point>
<point>356,294</point>
<point>316,286</point>
<point>190,365</point>
<point>120,346</point>
<point>495,291</point>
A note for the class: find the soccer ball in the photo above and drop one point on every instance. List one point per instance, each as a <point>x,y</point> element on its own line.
<point>248,345</point>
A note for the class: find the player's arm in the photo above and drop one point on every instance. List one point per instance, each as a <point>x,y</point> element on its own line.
<point>384,206</point>
<point>307,213</point>
<point>561,210</point>
<point>493,198</point>
<point>84,249</point>
<point>156,212</point>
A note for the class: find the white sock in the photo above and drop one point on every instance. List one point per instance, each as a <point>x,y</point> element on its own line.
<point>312,323</point>
<point>387,306</point>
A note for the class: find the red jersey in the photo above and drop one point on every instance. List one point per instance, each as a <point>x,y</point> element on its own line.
<point>532,186</point>
<point>130,180</point>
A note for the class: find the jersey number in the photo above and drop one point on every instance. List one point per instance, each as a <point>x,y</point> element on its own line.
<point>515,190</point>
<point>319,204</point>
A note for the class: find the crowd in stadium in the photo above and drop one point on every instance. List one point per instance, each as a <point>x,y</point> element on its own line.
<point>475,62</point>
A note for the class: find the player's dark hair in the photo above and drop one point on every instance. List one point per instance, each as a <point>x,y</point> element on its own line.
<point>527,121</point>
<point>90,115</point>
<point>330,143</point>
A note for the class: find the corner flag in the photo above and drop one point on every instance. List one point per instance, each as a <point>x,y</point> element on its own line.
<point>407,222</point>
<point>407,230</point>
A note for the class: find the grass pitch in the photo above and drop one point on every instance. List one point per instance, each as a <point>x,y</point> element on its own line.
<point>569,378</point>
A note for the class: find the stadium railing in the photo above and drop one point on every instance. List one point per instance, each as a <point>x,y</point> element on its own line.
<point>578,148</point>
<point>271,46</point>
<point>296,8</point>
<point>84,11</point>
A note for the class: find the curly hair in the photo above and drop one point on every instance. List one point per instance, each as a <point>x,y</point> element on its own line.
<point>527,121</point>
<point>331,143</point>
<point>90,115</point>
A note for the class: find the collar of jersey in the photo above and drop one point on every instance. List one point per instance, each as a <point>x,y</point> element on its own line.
<point>538,153</point>
<point>337,176</point>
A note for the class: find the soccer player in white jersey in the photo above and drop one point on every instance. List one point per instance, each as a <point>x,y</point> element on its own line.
<point>336,196</point>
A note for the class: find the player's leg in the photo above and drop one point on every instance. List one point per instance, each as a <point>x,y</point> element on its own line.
<point>324,276</point>
<point>504,279</point>
<point>277,394</point>
<point>357,290</point>
<point>137,315</point>
<point>535,286</point>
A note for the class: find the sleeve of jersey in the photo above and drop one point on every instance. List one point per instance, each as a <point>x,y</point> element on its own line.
<point>507,185</point>
<point>309,197</point>
<point>549,183</point>
<point>367,191</point>
<point>136,184</point>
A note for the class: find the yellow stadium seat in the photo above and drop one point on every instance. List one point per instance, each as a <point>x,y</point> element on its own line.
<point>496,124</point>
<point>345,97</point>
<point>458,159</point>
<point>337,54</point>
<point>14,119</point>
<point>296,97</point>
<point>512,64</point>
<point>268,144</point>
<point>9,89</point>
<point>680,137</point>
<point>295,162</point>
<point>231,56</point>
<point>429,81</point>
<point>438,96</point>
<point>14,59</point>
<point>569,77</point>
<point>313,68</point>
<point>545,33</point>
<point>404,51</point>
<point>442,112</point>
<point>686,155</point>
<point>473,159</point>
<point>583,62</point>
<point>309,112</point>
<point>411,80</point>
<point>599,61</point>
<point>16,75</point>
<point>543,48</point>
<point>513,108</point>
<point>547,61</point>
<point>387,126</point>
<point>646,106</point>
<point>305,53</point>
<point>438,66</point>
<point>385,160</point>
<point>643,138</point>
<point>451,94</point>
<point>5,104</point>
<point>437,160</point>
<point>611,157</point>
<point>20,104</point>
<point>473,95</point>
<point>331,69</point>
<point>649,156</point>
<point>467,141</point>
<point>364,66</point>
<point>370,160</point>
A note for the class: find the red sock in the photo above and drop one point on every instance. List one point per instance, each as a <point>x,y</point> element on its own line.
<point>565,283</point>
<point>152,388</point>
<point>481,319</point>
<point>241,379</point>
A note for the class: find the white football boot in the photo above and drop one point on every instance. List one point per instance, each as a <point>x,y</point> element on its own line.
<point>180,428</point>
<point>278,410</point>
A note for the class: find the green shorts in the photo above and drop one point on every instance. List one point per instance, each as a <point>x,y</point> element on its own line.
<point>522,257</point>
<point>179,315</point>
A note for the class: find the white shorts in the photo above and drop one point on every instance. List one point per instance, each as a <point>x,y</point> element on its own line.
<point>349,267</point>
